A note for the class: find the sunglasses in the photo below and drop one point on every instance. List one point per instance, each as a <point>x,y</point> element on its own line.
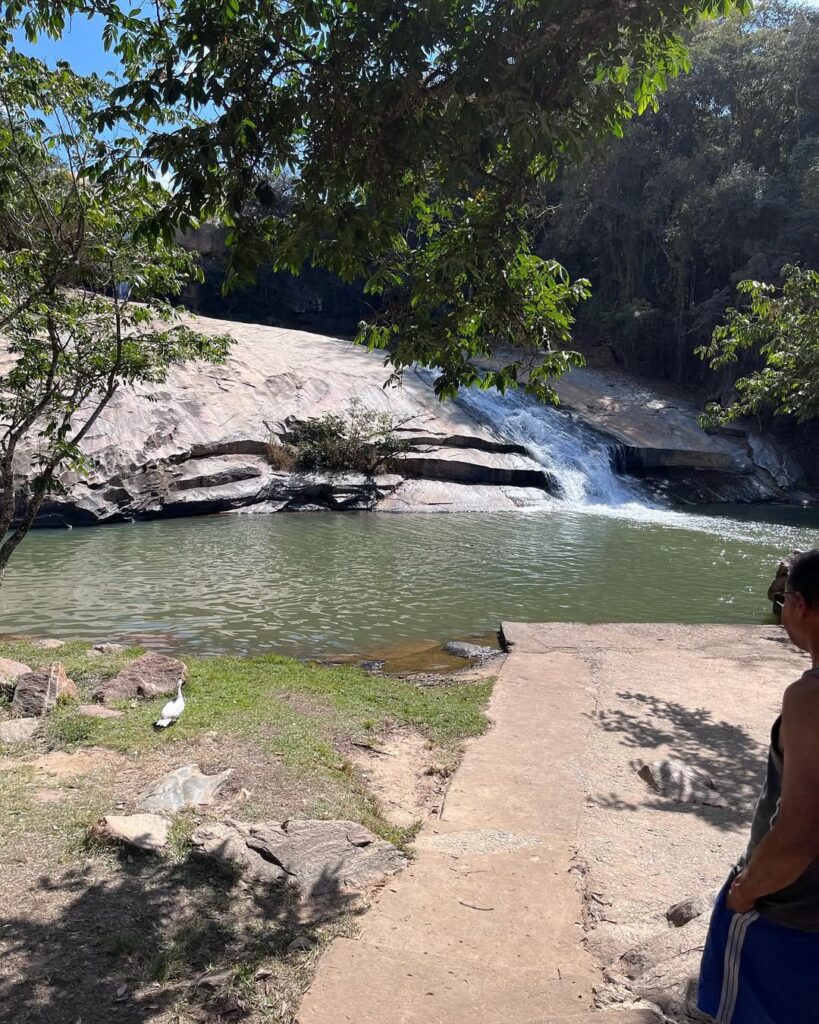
<point>779,600</point>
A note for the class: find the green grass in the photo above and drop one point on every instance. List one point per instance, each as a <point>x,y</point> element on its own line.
<point>300,714</point>
<point>298,711</point>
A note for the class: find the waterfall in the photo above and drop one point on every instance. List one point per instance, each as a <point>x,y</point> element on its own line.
<point>581,460</point>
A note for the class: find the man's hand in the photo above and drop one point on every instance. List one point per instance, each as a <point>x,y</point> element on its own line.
<point>738,899</point>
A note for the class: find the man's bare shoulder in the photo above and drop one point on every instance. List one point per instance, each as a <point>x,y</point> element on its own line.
<point>802,697</point>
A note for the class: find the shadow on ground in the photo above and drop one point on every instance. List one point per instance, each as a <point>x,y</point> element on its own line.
<point>158,941</point>
<point>734,759</point>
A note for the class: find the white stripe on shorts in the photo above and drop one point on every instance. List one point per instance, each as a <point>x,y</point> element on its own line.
<point>733,955</point>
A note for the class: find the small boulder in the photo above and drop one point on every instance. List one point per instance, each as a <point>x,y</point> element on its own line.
<point>36,692</point>
<point>48,644</point>
<point>9,672</point>
<point>663,970</point>
<point>143,831</point>
<point>99,650</point>
<point>150,675</point>
<point>459,649</point>
<point>319,858</point>
<point>98,711</point>
<point>681,914</point>
<point>19,730</point>
<point>680,782</point>
<point>184,787</point>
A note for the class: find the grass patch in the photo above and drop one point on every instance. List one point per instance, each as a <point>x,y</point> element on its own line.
<point>299,715</point>
<point>259,697</point>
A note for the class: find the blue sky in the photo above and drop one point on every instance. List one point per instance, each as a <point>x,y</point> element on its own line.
<point>82,46</point>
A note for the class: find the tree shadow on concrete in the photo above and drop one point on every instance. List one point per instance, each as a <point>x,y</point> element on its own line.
<point>728,753</point>
<point>154,937</point>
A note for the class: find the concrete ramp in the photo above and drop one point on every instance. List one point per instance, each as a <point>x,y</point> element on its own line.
<point>487,923</point>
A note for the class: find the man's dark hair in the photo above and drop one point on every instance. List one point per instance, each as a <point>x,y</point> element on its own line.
<point>803,576</point>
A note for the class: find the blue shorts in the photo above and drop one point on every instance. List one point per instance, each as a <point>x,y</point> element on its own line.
<point>757,972</point>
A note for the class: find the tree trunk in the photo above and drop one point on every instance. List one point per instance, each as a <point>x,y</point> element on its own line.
<point>35,501</point>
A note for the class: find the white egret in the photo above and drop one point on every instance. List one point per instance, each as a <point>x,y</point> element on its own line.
<point>172,710</point>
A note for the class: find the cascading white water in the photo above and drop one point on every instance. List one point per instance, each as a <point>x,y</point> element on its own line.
<point>578,458</point>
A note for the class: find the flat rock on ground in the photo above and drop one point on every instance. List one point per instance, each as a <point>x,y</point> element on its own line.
<point>701,696</point>
<point>150,675</point>
<point>19,730</point>
<point>143,831</point>
<point>318,857</point>
<point>181,788</point>
<point>98,711</point>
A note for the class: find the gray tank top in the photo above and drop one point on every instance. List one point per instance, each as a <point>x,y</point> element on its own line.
<point>797,905</point>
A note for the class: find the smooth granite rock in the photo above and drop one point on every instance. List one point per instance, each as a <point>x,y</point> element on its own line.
<point>318,857</point>
<point>184,787</point>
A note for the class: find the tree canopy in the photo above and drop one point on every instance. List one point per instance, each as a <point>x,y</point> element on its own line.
<point>781,325</point>
<point>719,185</point>
<point>413,138</point>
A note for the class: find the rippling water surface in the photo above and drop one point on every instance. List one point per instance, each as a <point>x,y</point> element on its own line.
<point>320,583</point>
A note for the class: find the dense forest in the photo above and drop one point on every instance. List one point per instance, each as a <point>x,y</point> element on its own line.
<point>720,184</point>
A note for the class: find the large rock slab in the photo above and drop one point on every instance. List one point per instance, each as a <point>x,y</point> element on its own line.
<point>184,787</point>
<point>151,675</point>
<point>36,693</point>
<point>143,831</point>
<point>202,443</point>
<point>318,857</point>
<point>19,730</point>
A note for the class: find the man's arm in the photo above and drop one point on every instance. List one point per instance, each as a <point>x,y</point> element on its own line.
<point>793,843</point>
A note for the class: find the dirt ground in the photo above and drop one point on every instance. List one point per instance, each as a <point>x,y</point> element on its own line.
<point>91,933</point>
<point>710,707</point>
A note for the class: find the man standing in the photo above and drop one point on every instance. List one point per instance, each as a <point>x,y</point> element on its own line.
<point>761,959</point>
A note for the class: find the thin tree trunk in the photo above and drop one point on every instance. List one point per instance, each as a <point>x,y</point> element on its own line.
<point>9,545</point>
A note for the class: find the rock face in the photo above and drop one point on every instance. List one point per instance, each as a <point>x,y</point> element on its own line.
<point>658,436</point>
<point>9,672</point>
<point>150,675</point>
<point>143,831</point>
<point>203,444</point>
<point>318,857</point>
<point>19,730</point>
<point>36,692</point>
<point>185,787</point>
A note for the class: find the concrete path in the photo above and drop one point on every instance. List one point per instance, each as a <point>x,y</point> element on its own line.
<point>487,924</point>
